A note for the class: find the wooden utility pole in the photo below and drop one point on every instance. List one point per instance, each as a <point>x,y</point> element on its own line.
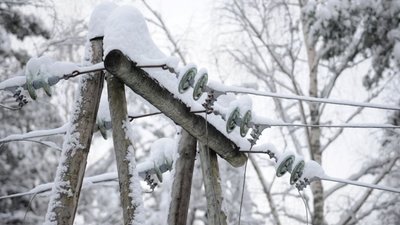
<point>71,169</point>
<point>212,186</point>
<point>181,187</point>
<point>123,147</point>
<point>141,83</point>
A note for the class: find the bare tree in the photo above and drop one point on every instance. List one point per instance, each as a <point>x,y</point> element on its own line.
<point>280,38</point>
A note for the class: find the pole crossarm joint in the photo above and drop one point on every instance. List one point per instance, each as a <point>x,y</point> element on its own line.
<point>141,83</point>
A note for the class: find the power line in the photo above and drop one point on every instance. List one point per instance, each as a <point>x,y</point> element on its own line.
<point>240,90</point>
<point>361,184</point>
<point>346,125</point>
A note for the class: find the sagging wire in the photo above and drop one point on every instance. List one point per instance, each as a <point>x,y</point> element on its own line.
<point>346,125</point>
<point>29,205</point>
<point>360,184</point>
<point>305,205</point>
<point>241,90</point>
<point>243,186</point>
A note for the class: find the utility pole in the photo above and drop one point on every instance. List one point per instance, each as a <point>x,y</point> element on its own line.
<point>71,169</point>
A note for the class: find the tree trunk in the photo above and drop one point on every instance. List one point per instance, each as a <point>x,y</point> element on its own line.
<point>212,180</point>
<point>141,83</point>
<point>71,169</point>
<point>181,187</point>
<point>315,132</point>
<point>124,151</point>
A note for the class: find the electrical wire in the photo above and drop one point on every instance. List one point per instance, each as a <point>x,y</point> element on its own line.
<point>243,186</point>
<point>361,184</point>
<point>305,205</point>
<point>241,90</point>
<point>242,194</point>
<point>346,125</point>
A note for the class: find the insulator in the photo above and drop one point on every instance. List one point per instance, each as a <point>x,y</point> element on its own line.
<point>231,121</point>
<point>200,86</point>
<point>187,79</point>
<point>245,125</point>
<point>285,165</point>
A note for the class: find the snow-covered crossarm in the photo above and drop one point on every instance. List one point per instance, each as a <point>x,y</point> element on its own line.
<point>143,84</point>
<point>144,169</point>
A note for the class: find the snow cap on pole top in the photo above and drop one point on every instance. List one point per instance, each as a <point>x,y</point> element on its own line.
<point>126,30</point>
<point>98,19</point>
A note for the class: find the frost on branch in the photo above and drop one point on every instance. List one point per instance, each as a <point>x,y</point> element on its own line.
<point>360,27</point>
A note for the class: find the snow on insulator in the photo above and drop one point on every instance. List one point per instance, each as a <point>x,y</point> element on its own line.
<point>200,82</point>
<point>12,83</point>
<point>163,150</point>
<point>236,111</point>
<point>312,170</point>
<point>103,119</point>
<point>98,19</point>
<point>37,69</point>
<point>45,66</point>
<point>186,77</point>
<point>298,168</point>
<point>41,69</point>
<point>285,163</point>
<point>243,103</point>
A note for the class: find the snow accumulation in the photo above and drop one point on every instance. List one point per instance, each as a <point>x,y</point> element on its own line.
<point>143,168</point>
<point>103,114</point>
<point>312,170</point>
<point>126,30</point>
<point>36,134</point>
<point>98,19</point>
<point>282,156</point>
<point>44,67</point>
<point>163,150</point>
<point>135,192</point>
<point>17,81</point>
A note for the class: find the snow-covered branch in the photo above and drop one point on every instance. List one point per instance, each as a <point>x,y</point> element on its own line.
<point>36,134</point>
<point>144,169</point>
